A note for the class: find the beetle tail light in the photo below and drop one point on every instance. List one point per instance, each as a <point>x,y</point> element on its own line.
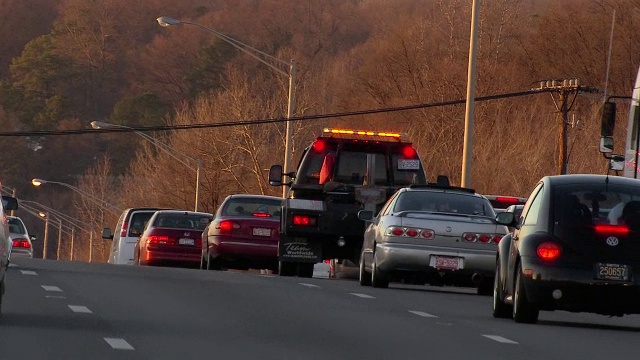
<point>549,251</point>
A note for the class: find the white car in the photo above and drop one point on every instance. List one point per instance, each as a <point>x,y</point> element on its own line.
<point>20,238</point>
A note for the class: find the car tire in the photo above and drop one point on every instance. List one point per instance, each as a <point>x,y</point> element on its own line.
<point>286,268</point>
<point>213,264</point>
<point>523,310</point>
<point>500,309</point>
<point>305,270</point>
<point>378,278</point>
<point>364,277</point>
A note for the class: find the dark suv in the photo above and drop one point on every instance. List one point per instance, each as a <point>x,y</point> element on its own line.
<point>339,174</point>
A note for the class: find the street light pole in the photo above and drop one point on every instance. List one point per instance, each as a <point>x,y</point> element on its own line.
<point>467,151</point>
<point>251,51</point>
<point>164,147</point>
<point>103,204</point>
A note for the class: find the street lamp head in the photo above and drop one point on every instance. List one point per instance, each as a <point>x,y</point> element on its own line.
<point>166,21</point>
<point>37,182</point>
<point>100,125</point>
<point>42,215</point>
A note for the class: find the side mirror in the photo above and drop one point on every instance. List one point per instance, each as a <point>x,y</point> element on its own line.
<point>616,163</point>
<point>606,144</point>
<point>365,215</point>
<point>608,119</point>
<point>506,218</point>
<point>275,175</point>
<point>106,233</point>
<point>9,203</point>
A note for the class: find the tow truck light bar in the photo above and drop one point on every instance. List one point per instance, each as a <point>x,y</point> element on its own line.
<point>361,133</point>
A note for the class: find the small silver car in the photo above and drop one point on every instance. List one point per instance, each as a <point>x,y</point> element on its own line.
<point>20,238</point>
<point>436,234</point>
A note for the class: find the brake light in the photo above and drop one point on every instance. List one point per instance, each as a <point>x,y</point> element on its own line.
<point>408,152</point>
<point>21,243</point>
<point>612,229</point>
<point>396,231</point>
<point>225,226</point>
<point>319,146</point>
<point>261,215</point>
<point>507,200</point>
<point>481,238</point>
<point>361,133</point>
<point>549,251</point>
<point>304,220</point>
<point>412,232</point>
<point>160,240</point>
<point>428,234</point>
<point>125,227</point>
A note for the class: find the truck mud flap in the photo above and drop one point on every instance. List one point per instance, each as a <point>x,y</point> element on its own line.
<point>296,249</point>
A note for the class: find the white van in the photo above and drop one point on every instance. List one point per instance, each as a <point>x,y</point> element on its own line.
<point>128,229</point>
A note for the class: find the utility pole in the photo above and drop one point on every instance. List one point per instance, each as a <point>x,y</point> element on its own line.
<point>567,90</point>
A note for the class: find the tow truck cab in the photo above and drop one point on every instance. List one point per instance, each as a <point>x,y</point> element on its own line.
<point>339,174</point>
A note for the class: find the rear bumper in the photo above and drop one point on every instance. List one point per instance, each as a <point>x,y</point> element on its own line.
<point>21,253</point>
<point>232,249</point>
<point>402,257</point>
<point>184,255</point>
<point>577,290</point>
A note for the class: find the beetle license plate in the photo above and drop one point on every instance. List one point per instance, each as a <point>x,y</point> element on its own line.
<point>446,262</point>
<point>261,232</point>
<point>185,241</point>
<point>606,271</point>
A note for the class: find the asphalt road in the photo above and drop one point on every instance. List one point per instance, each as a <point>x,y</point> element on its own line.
<point>73,310</point>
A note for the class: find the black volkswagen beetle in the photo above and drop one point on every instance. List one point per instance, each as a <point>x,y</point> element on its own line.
<point>575,247</point>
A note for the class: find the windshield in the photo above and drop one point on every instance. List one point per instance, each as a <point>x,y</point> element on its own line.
<point>16,226</point>
<point>445,202</point>
<point>252,206</point>
<point>181,221</point>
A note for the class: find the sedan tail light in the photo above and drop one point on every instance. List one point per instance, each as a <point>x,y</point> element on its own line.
<point>410,232</point>
<point>21,243</point>
<point>549,251</point>
<point>482,238</point>
<point>225,227</point>
<point>160,240</point>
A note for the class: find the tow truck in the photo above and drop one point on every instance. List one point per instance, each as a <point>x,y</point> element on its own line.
<point>340,173</point>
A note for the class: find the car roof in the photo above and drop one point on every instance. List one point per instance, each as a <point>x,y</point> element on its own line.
<point>576,179</point>
<point>254,196</point>
<point>441,188</point>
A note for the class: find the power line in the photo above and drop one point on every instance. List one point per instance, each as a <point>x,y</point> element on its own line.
<point>264,121</point>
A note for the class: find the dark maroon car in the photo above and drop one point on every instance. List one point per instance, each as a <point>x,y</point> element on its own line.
<point>172,237</point>
<point>243,234</point>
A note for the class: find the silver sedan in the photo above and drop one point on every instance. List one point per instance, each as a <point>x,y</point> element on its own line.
<point>441,235</point>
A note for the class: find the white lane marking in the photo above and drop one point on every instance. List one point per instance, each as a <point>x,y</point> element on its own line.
<point>80,309</point>
<point>309,285</point>
<point>55,297</point>
<point>364,296</point>
<point>119,343</point>
<point>12,265</point>
<point>28,272</point>
<point>500,339</point>
<point>423,314</point>
<point>51,288</point>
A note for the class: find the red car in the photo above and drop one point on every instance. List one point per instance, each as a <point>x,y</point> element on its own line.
<point>172,237</point>
<point>244,234</point>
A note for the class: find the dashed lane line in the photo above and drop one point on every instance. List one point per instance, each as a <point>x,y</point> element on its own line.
<point>28,272</point>
<point>309,285</point>
<point>423,314</point>
<point>80,309</point>
<point>12,265</point>
<point>500,339</point>
<point>364,296</point>
<point>51,288</point>
<point>119,344</point>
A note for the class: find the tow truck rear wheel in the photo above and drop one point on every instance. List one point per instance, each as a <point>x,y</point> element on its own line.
<point>286,268</point>
<point>305,270</point>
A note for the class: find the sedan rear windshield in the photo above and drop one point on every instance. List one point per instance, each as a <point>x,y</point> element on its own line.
<point>444,202</point>
<point>16,226</point>
<point>253,207</point>
<point>179,221</point>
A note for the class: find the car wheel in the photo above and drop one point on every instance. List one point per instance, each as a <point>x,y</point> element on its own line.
<point>305,270</point>
<point>378,278</point>
<point>523,310</point>
<point>500,309</point>
<point>213,264</point>
<point>365,277</point>
<point>286,268</point>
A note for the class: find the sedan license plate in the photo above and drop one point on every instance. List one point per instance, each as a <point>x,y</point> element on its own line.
<point>446,262</point>
<point>606,271</point>
<point>261,232</point>
<point>185,241</point>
